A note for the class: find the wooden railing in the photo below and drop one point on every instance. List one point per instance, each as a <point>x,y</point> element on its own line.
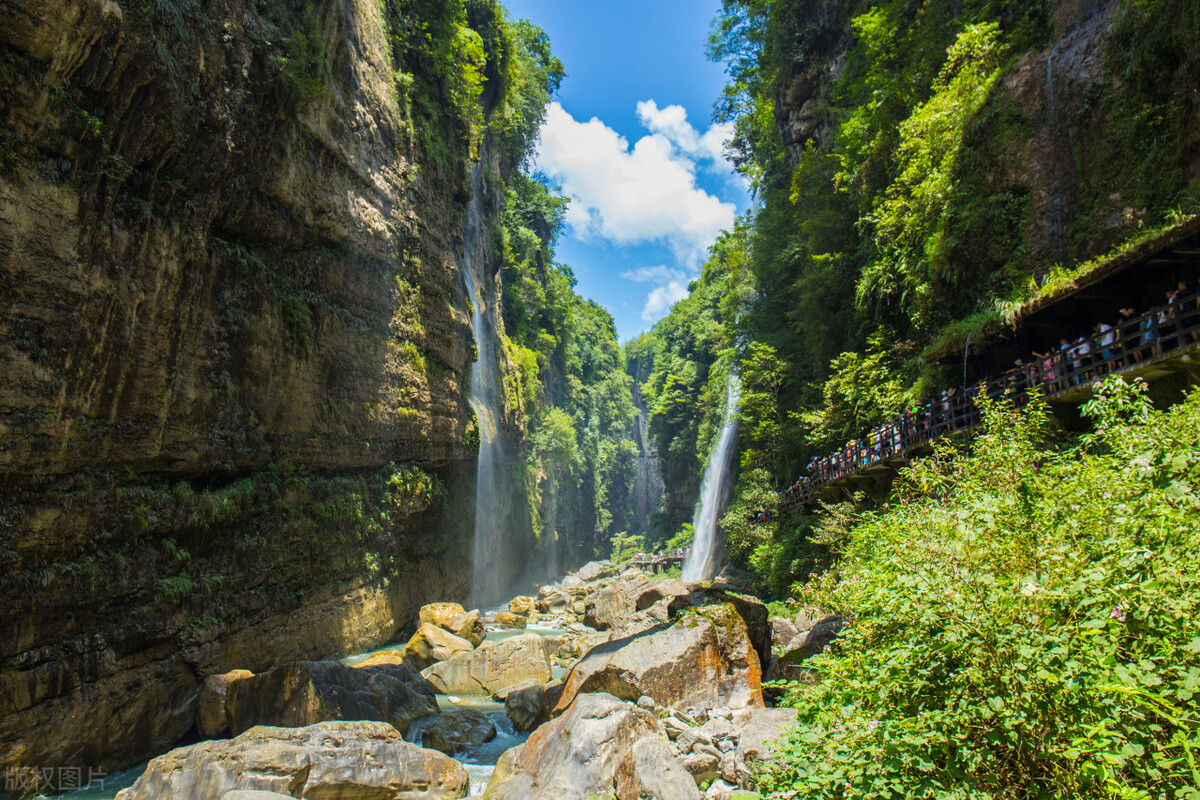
<point>1138,340</point>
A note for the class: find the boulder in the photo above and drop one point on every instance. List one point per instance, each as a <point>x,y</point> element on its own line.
<point>782,632</point>
<point>807,617</point>
<point>493,666</point>
<point>554,601</point>
<point>702,766</point>
<point>595,570</point>
<point>305,692</point>
<point>660,590</point>
<point>381,659</point>
<point>704,659</point>
<point>469,626</point>
<point>523,704</point>
<point>750,609</point>
<point>210,711</point>
<point>614,604</point>
<point>459,729</point>
<point>523,605</point>
<point>431,644</point>
<point>812,641</point>
<point>336,760</point>
<point>572,582</point>
<point>763,726</point>
<point>440,614</point>
<point>506,619</point>
<point>594,749</point>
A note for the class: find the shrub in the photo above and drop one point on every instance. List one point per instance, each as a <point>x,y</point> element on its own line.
<point>1021,620</point>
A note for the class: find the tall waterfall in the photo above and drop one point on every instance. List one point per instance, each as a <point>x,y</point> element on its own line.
<point>491,490</point>
<point>703,560</point>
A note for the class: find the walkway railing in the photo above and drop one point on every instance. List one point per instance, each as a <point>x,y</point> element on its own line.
<point>1135,341</point>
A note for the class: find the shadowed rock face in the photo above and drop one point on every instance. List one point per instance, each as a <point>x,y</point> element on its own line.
<point>229,304</point>
<point>306,692</point>
<point>347,760</point>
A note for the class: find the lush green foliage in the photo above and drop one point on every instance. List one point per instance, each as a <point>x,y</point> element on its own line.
<point>1021,620</point>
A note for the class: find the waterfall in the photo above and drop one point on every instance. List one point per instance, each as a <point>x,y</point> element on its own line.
<point>1056,215</point>
<point>702,561</point>
<point>490,488</point>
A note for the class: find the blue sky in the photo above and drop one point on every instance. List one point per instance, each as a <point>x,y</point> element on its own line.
<point>631,141</point>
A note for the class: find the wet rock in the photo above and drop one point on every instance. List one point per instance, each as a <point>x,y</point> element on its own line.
<point>523,605</point>
<point>469,626</point>
<point>506,619</point>
<point>305,692</point>
<point>459,729</point>
<point>553,601</point>
<point>440,614</point>
<point>210,711</point>
<point>595,747</point>
<point>336,760</point>
<point>493,666</point>
<point>704,659</point>
<point>431,644</point>
<point>523,704</point>
<point>381,659</point>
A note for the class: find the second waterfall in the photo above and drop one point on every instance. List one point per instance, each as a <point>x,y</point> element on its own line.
<point>704,559</point>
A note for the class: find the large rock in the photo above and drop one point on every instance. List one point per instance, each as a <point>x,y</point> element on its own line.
<point>210,711</point>
<point>459,729</point>
<point>782,632</point>
<point>331,761</point>
<point>598,747</point>
<point>381,659</point>
<point>812,641</point>
<point>552,600</point>
<point>305,692</point>
<point>431,644</point>
<point>440,614</point>
<point>523,704</point>
<point>493,666</point>
<point>750,609</point>
<point>523,605</point>
<point>704,659</point>
<point>614,603</point>
<point>595,570</point>
<point>763,727</point>
<point>507,619</point>
<point>469,626</point>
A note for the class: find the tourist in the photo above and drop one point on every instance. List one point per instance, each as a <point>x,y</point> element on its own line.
<point>1081,358</point>
<point>1048,374</point>
<point>1127,333</point>
<point>1107,338</point>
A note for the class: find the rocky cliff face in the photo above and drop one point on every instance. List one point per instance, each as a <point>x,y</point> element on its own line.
<point>232,342</point>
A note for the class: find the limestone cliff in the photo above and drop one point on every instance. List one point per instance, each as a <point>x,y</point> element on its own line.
<point>233,335</point>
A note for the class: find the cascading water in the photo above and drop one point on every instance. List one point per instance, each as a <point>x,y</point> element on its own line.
<point>701,563</point>
<point>485,401</point>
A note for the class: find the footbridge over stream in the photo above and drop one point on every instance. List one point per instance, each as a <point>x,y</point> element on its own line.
<point>1069,344</point>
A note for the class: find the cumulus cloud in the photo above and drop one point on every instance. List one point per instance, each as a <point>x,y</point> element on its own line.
<point>640,194</point>
<point>671,286</point>
<point>672,122</point>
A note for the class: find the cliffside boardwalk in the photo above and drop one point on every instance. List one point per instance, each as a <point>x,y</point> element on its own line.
<point>1164,339</point>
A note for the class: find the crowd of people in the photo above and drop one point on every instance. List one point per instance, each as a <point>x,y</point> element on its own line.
<point>1108,348</point>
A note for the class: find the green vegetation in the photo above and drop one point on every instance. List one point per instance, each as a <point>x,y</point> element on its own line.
<point>900,150</point>
<point>1021,619</point>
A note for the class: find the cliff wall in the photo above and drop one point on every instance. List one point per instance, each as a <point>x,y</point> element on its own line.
<point>233,336</point>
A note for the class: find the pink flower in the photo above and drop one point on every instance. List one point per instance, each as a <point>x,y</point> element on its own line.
<point>1118,613</point>
<point>872,725</point>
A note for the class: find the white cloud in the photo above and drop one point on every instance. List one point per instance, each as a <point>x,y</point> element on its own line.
<point>661,298</point>
<point>637,195</point>
<point>672,122</point>
<point>671,287</point>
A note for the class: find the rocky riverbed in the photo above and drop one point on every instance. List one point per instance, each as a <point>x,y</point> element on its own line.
<point>606,683</point>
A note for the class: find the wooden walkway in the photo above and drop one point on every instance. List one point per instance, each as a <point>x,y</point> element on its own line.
<point>660,562</point>
<point>1163,340</point>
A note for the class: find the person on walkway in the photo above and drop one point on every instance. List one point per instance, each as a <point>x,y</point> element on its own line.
<point>1081,358</point>
<point>1127,333</point>
<point>1108,338</point>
